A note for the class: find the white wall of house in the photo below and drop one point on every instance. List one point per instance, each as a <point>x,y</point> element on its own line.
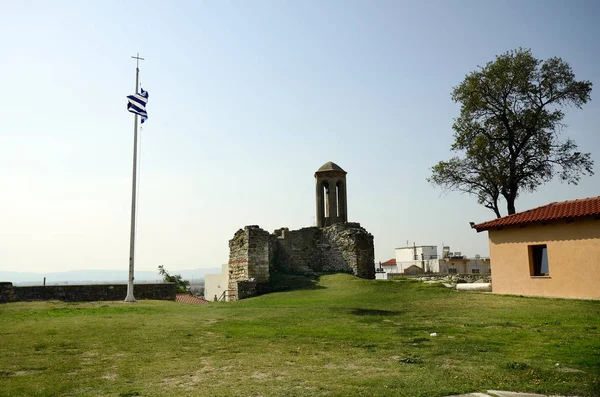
<point>390,268</point>
<point>215,284</point>
<point>421,252</point>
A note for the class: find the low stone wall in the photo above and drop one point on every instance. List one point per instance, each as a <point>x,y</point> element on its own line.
<point>95,292</point>
<point>246,289</point>
<point>452,278</point>
<point>458,278</point>
<point>7,292</point>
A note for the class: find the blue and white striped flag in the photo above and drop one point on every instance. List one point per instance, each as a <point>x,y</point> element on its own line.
<point>137,104</point>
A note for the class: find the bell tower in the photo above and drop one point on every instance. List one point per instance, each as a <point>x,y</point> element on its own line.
<point>331,195</point>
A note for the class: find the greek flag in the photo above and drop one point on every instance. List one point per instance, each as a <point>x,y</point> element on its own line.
<point>137,104</point>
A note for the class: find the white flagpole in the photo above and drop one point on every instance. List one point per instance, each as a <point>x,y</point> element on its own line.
<point>130,297</point>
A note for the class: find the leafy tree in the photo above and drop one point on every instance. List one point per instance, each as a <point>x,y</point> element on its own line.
<point>181,284</point>
<point>508,130</point>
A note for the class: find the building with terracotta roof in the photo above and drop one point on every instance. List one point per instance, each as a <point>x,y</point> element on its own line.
<point>418,259</point>
<point>552,250</point>
<point>391,262</point>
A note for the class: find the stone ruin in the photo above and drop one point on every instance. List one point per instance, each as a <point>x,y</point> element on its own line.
<point>335,245</point>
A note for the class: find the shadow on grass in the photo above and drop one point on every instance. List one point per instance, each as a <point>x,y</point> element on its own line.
<point>279,282</point>
<point>375,312</point>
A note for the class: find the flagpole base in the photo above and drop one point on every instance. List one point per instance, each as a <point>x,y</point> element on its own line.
<point>130,299</point>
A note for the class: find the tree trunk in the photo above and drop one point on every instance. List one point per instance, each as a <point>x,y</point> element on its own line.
<point>510,206</point>
<point>510,201</point>
<point>510,195</point>
<point>497,211</point>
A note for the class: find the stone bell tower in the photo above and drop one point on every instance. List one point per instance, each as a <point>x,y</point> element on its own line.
<point>331,195</point>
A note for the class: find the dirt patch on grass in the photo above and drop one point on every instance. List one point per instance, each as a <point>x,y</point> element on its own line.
<point>190,381</point>
<point>447,363</point>
<point>110,376</point>
<point>21,373</point>
<point>567,369</point>
<point>266,376</point>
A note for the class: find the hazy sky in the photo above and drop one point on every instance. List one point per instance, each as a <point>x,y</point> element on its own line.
<point>247,100</point>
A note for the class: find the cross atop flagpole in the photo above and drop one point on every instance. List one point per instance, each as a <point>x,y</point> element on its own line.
<point>137,66</point>
<point>130,297</point>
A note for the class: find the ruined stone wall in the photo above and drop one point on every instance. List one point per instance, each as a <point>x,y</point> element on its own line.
<point>238,261</point>
<point>250,253</point>
<point>342,247</point>
<point>258,254</point>
<point>254,254</point>
<point>272,251</point>
<point>299,251</point>
<point>348,247</point>
<point>246,289</point>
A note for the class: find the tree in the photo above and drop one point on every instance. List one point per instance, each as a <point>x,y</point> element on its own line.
<point>181,284</point>
<point>508,129</point>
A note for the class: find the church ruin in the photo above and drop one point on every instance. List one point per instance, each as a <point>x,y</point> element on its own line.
<point>334,245</point>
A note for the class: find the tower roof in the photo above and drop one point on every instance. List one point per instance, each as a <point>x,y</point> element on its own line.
<point>330,166</point>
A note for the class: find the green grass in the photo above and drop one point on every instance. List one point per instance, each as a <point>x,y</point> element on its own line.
<point>341,336</point>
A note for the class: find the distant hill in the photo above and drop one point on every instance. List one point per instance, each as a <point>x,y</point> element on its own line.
<point>99,276</point>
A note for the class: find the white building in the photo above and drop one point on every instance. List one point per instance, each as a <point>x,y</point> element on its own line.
<point>425,259</point>
<point>416,252</point>
<point>417,259</point>
<point>216,285</point>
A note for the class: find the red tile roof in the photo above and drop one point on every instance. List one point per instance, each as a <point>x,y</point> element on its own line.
<point>189,299</point>
<point>565,210</point>
<point>391,262</point>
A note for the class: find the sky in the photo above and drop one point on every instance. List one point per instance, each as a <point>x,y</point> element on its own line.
<point>247,100</point>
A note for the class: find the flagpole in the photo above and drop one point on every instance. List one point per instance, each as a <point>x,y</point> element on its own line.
<point>130,297</point>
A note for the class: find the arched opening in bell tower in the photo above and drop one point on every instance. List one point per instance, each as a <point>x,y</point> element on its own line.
<point>338,202</point>
<point>326,198</point>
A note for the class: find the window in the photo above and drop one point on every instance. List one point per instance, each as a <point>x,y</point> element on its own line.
<point>538,260</point>
<point>475,271</point>
<point>451,271</point>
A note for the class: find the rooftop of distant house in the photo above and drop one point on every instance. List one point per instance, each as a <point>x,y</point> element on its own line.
<point>390,262</point>
<point>558,211</point>
<point>416,246</point>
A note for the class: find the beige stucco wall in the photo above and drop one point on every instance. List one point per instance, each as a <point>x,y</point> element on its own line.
<point>215,284</point>
<point>573,260</point>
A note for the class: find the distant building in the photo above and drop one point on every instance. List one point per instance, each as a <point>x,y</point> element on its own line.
<point>385,265</point>
<point>425,259</point>
<point>215,285</point>
<point>463,265</point>
<point>553,250</point>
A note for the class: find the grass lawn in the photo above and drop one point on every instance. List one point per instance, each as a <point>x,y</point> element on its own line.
<point>341,336</point>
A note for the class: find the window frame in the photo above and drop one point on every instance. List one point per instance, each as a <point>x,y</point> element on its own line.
<point>536,260</point>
